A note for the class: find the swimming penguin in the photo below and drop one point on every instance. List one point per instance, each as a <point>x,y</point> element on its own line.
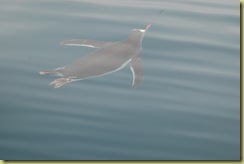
<point>108,58</point>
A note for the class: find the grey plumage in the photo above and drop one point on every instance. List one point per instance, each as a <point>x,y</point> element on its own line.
<point>108,58</point>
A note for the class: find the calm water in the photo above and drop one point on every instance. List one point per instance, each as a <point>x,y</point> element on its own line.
<point>188,106</point>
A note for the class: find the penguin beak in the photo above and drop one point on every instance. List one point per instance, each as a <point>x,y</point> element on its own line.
<point>148,26</point>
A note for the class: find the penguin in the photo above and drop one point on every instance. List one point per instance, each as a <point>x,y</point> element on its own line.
<point>108,57</point>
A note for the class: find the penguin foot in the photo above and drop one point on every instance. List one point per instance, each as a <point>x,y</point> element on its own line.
<point>61,81</point>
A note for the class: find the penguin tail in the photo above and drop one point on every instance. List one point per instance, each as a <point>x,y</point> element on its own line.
<point>49,72</point>
<point>56,72</point>
<point>46,72</point>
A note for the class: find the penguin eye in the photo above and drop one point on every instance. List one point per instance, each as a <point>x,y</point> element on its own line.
<point>141,30</point>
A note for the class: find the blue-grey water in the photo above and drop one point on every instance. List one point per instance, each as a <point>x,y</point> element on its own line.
<point>187,108</point>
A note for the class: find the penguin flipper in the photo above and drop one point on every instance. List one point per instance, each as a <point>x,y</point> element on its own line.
<point>137,69</point>
<point>86,43</point>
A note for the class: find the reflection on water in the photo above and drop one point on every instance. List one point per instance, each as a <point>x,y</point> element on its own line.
<point>187,107</point>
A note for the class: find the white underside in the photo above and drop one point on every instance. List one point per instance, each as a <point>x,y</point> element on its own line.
<point>84,45</point>
<point>121,67</point>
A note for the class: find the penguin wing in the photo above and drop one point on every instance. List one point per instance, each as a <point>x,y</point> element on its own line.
<point>86,43</point>
<point>137,69</point>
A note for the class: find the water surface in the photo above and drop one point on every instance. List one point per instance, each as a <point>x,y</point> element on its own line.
<point>187,108</point>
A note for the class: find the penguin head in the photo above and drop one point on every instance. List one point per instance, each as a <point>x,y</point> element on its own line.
<point>138,34</point>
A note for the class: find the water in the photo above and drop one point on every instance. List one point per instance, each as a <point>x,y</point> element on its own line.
<point>187,108</point>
